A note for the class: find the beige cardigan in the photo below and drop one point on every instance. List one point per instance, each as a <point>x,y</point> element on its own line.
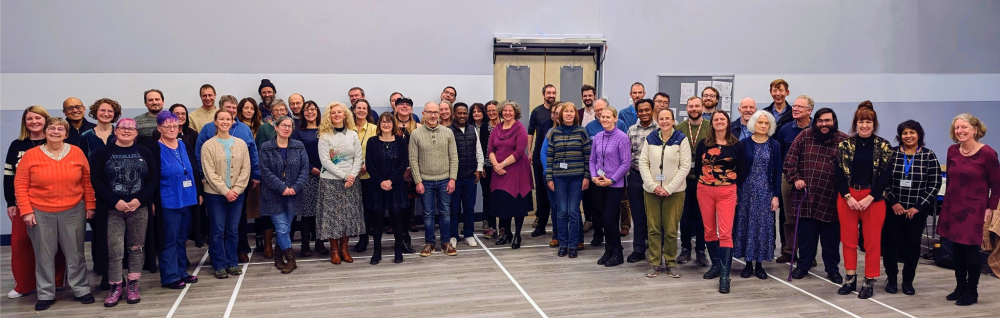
<point>213,163</point>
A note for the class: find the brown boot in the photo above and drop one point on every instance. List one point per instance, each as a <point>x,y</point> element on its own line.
<point>244,258</point>
<point>268,244</point>
<point>344,254</point>
<point>334,252</point>
<point>290,266</point>
<point>279,261</point>
<point>321,249</point>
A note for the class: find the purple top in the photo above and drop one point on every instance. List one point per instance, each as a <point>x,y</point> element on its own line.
<point>503,143</point>
<point>611,153</point>
<point>970,181</point>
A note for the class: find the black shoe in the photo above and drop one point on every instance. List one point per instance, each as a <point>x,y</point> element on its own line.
<point>259,242</point>
<point>713,272</point>
<point>516,243</point>
<point>375,259</point>
<point>604,258</point>
<point>44,304</point>
<point>971,296</point>
<point>85,299</point>
<point>684,256</point>
<point>890,285</point>
<point>800,272</point>
<point>868,289</point>
<point>572,253</point>
<point>615,259</point>
<point>724,285</point>
<point>759,271</point>
<point>748,270</point>
<point>407,249</point>
<point>835,277</point>
<point>539,231</point>
<point>104,283</point>
<point>362,244</point>
<point>562,252</point>
<point>175,285</point>
<point>908,289</point>
<point>191,279</point>
<point>398,258</point>
<point>597,241</point>
<point>955,295</point>
<point>849,285</point>
<point>635,257</point>
<point>505,239</point>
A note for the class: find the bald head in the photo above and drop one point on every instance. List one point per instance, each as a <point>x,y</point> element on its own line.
<point>73,109</point>
<point>600,104</point>
<point>747,107</point>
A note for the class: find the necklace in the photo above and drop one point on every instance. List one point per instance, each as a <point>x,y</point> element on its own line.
<point>963,151</point>
<point>863,142</point>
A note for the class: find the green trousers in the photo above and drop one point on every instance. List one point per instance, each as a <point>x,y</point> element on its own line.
<point>663,217</point>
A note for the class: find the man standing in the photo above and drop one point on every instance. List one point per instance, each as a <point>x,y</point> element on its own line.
<point>628,115</point>
<point>295,103</point>
<point>637,135</point>
<point>785,136</point>
<point>146,123</point>
<point>594,127</point>
<point>587,113</point>
<point>709,101</point>
<point>356,93</point>
<point>206,113</point>
<point>449,94</point>
<point>809,166</point>
<point>267,93</point>
<point>538,126</point>
<point>696,129</point>
<point>470,171</point>
<point>434,162</point>
<point>238,130</point>
<point>741,129</point>
<point>779,108</point>
<point>660,101</point>
<point>73,109</point>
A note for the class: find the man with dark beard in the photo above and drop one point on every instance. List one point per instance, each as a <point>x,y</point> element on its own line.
<point>586,113</point>
<point>267,93</point>
<point>809,165</point>
<point>691,225</point>
<point>710,98</point>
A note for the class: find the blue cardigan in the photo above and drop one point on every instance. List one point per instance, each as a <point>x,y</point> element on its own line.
<point>278,174</point>
<point>774,171</point>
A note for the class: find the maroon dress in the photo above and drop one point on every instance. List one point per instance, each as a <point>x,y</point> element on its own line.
<point>511,194</point>
<point>970,181</point>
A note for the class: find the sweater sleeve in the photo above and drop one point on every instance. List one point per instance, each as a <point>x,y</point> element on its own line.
<point>587,149</point>
<point>359,158</point>
<point>593,160</point>
<point>252,150</point>
<point>325,145</point>
<point>22,181</point>
<point>89,200</point>
<point>685,167</point>
<point>452,157</point>
<point>243,178</point>
<point>9,168</point>
<point>992,170</point>
<point>414,152</point>
<point>374,166</point>
<point>840,178</point>
<point>520,144</point>
<point>624,152</point>
<point>549,153</point>
<point>214,179</point>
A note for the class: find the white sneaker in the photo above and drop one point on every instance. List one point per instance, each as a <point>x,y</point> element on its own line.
<point>470,241</point>
<point>13,294</point>
<point>454,242</point>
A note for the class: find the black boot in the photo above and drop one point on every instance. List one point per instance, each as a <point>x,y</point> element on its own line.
<point>868,289</point>
<point>759,271</point>
<point>104,283</point>
<point>604,258</point>
<point>959,291</point>
<point>850,285</point>
<point>713,254</point>
<point>890,284</point>
<point>362,244</point>
<point>617,258</point>
<point>516,242</point>
<point>726,258</point>
<point>971,296</point>
<point>748,270</point>
<point>376,253</point>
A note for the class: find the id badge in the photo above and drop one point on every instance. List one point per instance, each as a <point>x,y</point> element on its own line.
<point>906,183</point>
<point>600,172</point>
<point>188,183</point>
<point>660,177</point>
<point>563,165</point>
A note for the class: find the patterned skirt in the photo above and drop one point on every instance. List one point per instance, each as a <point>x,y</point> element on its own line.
<point>339,210</point>
<point>309,194</point>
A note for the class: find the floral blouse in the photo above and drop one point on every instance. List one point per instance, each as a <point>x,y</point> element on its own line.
<point>719,165</point>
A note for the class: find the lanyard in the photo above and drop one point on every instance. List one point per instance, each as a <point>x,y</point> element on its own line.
<point>694,132</point>
<point>908,162</point>
<point>177,156</point>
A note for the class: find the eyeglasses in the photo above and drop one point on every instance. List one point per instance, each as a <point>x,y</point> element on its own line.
<point>709,95</point>
<point>126,129</point>
<point>801,107</point>
<point>661,102</point>
<point>286,126</point>
<point>56,128</point>
<point>73,108</point>
<point>170,127</point>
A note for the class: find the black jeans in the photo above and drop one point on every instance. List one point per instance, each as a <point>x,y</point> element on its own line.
<point>543,207</point>
<point>592,211</point>
<point>610,198</point>
<point>638,207</point>
<point>691,223</point>
<point>967,264</point>
<point>484,184</point>
<point>828,234</point>
<point>901,239</point>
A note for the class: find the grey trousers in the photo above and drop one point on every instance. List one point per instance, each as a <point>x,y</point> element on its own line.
<point>66,229</point>
<point>126,229</point>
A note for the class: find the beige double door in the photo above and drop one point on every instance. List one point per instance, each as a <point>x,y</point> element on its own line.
<point>521,78</point>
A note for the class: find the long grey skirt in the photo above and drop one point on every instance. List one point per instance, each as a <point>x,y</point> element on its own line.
<point>339,211</point>
<point>310,193</point>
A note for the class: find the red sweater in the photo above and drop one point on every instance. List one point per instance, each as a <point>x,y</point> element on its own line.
<point>53,185</point>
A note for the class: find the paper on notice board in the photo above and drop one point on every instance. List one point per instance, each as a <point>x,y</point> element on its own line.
<point>725,88</point>
<point>687,91</point>
<point>683,113</point>
<point>727,103</point>
<point>702,85</point>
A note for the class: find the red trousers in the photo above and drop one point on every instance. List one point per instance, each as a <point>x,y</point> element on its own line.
<point>22,260</point>
<point>872,219</point>
<point>718,209</point>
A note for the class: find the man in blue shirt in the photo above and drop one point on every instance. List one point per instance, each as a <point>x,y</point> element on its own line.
<point>740,128</point>
<point>779,108</point>
<point>628,115</point>
<point>785,136</point>
<point>239,130</point>
<point>595,127</point>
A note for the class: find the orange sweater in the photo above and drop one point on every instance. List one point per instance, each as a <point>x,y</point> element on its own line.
<point>53,185</point>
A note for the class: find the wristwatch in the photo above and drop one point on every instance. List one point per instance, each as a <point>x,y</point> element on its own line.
<point>847,196</point>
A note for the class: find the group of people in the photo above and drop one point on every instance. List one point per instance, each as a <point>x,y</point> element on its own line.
<point>149,184</point>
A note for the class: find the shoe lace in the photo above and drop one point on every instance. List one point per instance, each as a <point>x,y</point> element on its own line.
<point>133,287</point>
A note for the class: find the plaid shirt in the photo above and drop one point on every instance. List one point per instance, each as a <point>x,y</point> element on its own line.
<point>811,161</point>
<point>925,175</point>
<point>637,136</point>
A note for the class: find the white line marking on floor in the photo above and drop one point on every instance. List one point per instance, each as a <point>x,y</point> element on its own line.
<point>807,293</point>
<point>236,291</point>
<point>181,296</point>
<point>495,260</point>
<point>872,299</point>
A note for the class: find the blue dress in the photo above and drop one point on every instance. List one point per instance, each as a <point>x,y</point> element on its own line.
<point>753,239</point>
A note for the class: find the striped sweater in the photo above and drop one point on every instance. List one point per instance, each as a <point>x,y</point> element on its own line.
<point>569,145</point>
<point>53,185</point>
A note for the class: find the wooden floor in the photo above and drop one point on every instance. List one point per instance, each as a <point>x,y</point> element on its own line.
<point>500,282</point>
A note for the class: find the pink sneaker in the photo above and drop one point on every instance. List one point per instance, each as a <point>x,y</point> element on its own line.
<point>114,296</point>
<point>132,289</point>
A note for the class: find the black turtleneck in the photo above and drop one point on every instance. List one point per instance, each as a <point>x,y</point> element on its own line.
<point>862,167</point>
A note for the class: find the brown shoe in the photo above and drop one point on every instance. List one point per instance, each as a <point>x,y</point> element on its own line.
<point>320,249</point>
<point>427,250</point>
<point>305,248</point>
<point>268,244</point>
<point>449,249</point>
<point>579,246</point>
<point>344,253</point>
<point>334,252</point>
<point>554,243</point>
<point>290,266</point>
<point>279,260</point>
<point>624,232</point>
<point>784,258</point>
<point>244,258</point>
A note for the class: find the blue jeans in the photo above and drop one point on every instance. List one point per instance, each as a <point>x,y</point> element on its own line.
<point>568,195</point>
<point>224,221</point>
<point>173,257</point>
<point>555,208</point>
<point>463,201</point>
<point>282,228</point>
<point>436,201</point>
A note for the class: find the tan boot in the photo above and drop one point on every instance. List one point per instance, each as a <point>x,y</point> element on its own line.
<point>344,254</point>
<point>334,251</point>
<point>290,266</point>
<point>268,244</point>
